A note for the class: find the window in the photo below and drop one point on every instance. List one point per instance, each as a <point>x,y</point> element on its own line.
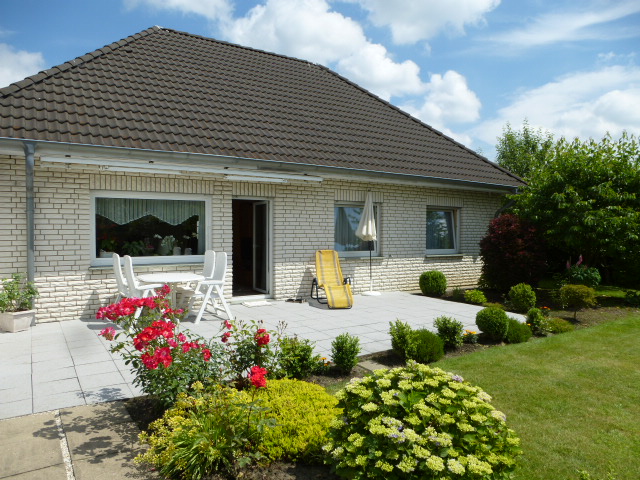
<point>442,231</point>
<point>161,230</point>
<point>346,220</point>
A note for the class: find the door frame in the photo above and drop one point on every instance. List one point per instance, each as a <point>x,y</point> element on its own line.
<point>269,252</point>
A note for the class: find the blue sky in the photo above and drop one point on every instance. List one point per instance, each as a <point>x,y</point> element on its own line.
<point>465,67</point>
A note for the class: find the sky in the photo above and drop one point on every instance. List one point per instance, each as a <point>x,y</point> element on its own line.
<point>465,67</point>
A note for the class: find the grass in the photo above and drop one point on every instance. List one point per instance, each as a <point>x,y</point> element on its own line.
<point>574,399</point>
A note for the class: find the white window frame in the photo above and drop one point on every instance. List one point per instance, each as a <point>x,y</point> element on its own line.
<point>159,260</point>
<point>376,244</point>
<point>455,212</point>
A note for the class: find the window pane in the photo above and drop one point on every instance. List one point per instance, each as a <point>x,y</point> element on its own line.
<point>346,221</point>
<point>440,230</point>
<point>149,227</point>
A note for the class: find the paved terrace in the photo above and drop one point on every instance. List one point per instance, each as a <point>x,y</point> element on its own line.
<point>66,364</point>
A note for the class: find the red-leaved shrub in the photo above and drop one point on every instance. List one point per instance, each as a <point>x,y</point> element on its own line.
<point>512,252</point>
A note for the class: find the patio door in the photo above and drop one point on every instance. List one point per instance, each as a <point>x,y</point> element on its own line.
<point>260,246</point>
<point>251,247</point>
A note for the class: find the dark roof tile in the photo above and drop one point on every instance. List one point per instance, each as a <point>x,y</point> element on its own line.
<point>166,90</point>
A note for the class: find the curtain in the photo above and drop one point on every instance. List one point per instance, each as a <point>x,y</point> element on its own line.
<point>346,220</point>
<point>126,210</point>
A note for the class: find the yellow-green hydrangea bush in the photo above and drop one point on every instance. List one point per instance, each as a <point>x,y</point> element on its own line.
<point>303,413</point>
<point>419,422</point>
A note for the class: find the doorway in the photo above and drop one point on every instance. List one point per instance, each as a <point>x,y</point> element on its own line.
<point>250,247</point>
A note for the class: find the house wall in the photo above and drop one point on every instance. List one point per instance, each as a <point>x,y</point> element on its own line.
<point>302,222</point>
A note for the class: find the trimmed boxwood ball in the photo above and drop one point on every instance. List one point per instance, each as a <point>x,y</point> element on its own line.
<point>433,283</point>
<point>522,297</point>
<point>424,346</point>
<point>419,422</point>
<point>493,321</point>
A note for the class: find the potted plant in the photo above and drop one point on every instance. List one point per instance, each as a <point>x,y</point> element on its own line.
<point>16,304</point>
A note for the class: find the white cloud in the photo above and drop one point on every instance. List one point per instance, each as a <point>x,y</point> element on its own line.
<point>210,9</point>
<point>18,64</point>
<point>308,29</point>
<point>411,21</point>
<point>448,100</point>
<point>582,104</point>
<point>581,24</point>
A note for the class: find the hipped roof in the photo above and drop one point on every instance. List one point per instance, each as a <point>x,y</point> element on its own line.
<point>171,91</point>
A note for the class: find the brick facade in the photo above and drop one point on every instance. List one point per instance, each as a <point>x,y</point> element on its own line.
<point>302,216</point>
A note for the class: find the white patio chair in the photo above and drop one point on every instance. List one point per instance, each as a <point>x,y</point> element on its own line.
<point>135,288</point>
<point>121,283</point>
<point>211,289</point>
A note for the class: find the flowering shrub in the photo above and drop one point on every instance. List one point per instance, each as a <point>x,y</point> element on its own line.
<point>537,320</point>
<point>419,423</point>
<point>248,344</point>
<point>164,360</point>
<point>580,274</point>
<point>470,336</point>
<point>212,430</point>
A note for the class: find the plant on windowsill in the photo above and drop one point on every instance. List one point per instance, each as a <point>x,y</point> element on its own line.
<point>16,304</point>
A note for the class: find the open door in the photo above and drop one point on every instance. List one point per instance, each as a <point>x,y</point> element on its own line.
<point>260,246</point>
<point>251,244</point>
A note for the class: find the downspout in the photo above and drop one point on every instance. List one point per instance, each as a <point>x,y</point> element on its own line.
<point>29,155</point>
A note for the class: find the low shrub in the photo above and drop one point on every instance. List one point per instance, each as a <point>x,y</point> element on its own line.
<point>302,412</point>
<point>470,337</point>
<point>424,346</point>
<point>632,297</point>
<point>518,332</point>
<point>582,275</point>
<point>559,325</point>
<point>577,297</point>
<point>219,430</point>
<point>522,297</point>
<point>450,331</point>
<point>493,322</point>
<point>493,305</point>
<point>419,422</point>
<point>475,296</point>
<point>344,352</point>
<point>296,359</point>
<point>537,320</point>
<point>433,283</point>
<point>458,294</point>
<point>399,332</point>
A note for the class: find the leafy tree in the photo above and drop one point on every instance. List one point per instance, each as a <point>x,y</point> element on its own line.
<point>586,200</point>
<point>523,152</point>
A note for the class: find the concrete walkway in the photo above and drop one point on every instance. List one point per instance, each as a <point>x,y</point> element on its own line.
<point>60,384</point>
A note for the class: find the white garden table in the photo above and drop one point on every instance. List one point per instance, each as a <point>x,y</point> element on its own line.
<point>172,279</point>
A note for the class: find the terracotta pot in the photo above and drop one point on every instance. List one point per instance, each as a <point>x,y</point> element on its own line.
<point>17,321</point>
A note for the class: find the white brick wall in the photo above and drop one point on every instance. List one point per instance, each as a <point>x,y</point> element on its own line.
<point>303,222</point>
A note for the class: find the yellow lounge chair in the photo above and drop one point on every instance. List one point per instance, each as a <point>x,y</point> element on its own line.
<point>329,278</point>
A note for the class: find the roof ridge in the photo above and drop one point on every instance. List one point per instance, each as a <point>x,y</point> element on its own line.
<point>434,130</point>
<point>44,74</point>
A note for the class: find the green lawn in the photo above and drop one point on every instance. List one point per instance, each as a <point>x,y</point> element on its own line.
<point>574,399</point>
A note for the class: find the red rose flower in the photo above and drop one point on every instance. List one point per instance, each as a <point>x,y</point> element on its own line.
<point>257,376</point>
<point>262,337</point>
